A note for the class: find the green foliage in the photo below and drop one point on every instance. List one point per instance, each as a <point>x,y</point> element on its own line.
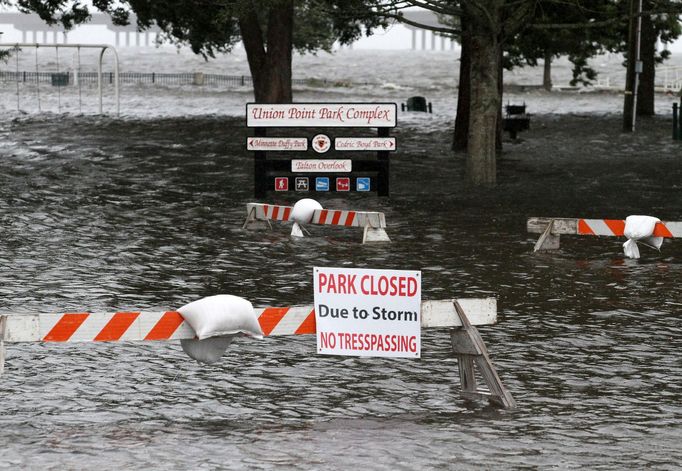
<point>212,26</point>
<point>582,30</point>
<point>321,23</point>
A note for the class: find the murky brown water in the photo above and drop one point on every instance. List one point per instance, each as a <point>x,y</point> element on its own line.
<point>103,214</point>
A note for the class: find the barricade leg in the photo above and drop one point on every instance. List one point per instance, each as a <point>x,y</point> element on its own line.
<point>547,240</point>
<point>252,223</point>
<point>298,231</point>
<point>374,234</point>
<point>3,324</point>
<point>470,349</point>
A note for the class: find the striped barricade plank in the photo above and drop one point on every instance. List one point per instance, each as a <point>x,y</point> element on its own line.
<point>335,217</point>
<point>597,227</point>
<point>552,228</point>
<point>372,222</point>
<point>169,325</point>
<point>467,343</point>
<point>264,212</point>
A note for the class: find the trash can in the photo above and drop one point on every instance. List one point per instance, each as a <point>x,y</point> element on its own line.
<point>417,103</point>
<point>60,79</point>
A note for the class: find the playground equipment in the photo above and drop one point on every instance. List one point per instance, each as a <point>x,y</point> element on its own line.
<point>57,79</point>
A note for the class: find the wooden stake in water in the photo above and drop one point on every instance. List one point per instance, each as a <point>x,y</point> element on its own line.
<point>470,349</point>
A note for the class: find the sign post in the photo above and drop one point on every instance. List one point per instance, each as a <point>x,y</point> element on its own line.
<point>329,172</point>
<point>363,312</point>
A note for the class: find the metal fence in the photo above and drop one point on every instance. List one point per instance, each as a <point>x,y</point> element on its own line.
<point>196,78</point>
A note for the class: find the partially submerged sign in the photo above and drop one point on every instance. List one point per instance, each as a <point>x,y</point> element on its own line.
<point>344,175</point>
<point>361,312</point>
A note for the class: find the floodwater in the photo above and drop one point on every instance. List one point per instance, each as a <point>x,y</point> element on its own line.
<point>139,212</point>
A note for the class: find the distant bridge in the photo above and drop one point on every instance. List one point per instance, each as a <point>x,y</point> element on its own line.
<point>31,26</point>
<point>428,39</point>
<point>33,29</point>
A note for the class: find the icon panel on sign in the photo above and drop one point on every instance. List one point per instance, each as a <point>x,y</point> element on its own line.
<point>302,184</point>
<point>282,184</point>
<point>342,184</point>
<point>322,184</point>
<point>363,184</point>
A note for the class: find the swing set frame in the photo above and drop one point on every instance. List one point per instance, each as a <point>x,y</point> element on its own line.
<point>102,47</point>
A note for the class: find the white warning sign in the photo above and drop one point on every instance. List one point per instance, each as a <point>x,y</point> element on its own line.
<point>364,312</point>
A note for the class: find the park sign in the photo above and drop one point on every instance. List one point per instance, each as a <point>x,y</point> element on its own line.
<point>285,164</point>
<point>367,312</point>
<point>277,143</point>
<point>325,115</point>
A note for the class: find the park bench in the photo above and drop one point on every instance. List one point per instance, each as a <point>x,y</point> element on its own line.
<point>516,120</point>
<point>417,103</point>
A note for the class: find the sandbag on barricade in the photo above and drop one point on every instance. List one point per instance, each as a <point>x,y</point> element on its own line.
<point>216,321</point>
<point>302,214</point>
<point>640,229</point>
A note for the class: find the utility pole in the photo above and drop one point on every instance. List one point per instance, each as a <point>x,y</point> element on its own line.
<point>634,66</point>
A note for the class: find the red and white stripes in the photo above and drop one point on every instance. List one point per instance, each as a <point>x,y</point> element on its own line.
<point>119,326</point>
<point>616,227</point>
<point>335,217</point>
<point>170,325</point>
<point>287,320</point>
<point>332,217</point>
<point>269,211</point>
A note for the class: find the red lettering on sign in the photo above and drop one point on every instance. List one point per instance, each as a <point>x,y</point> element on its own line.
<point>369,342</point>
<point>404,286</point>
<point>337,283</point>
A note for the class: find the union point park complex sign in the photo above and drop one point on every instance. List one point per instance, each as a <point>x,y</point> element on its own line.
<point>352,173</point>
<point>358,115</point>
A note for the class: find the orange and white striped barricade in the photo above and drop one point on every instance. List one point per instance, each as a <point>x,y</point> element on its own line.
<point>373,223</point>
<point>460,315</point>
<point>552,228</point>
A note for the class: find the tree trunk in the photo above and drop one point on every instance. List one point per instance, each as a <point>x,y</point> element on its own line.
<point>485,96</point>
<point>645,93</point>
<point>500,90</point>
<point>459,142</point>
<point>269,58</point>
<point>547,72</point>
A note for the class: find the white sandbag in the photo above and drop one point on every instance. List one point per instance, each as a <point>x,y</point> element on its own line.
<point>304,209</point>
<point>221,315</point>
<point>640,228</point>
<point>208,350</point>
<point>296,230</point>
